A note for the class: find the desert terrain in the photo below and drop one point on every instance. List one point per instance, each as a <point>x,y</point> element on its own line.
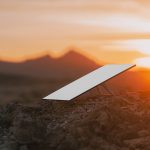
<point>111,117</point>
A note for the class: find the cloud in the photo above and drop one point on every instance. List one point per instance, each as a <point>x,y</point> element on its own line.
<point>55,24</point>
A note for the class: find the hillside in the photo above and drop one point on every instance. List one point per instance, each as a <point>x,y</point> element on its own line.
<point>100,123</point>
<point>70,65</point>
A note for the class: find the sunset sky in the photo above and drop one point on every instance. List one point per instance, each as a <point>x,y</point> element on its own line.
<point>112,31</point>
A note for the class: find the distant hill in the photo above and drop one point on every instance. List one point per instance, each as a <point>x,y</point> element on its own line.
<point>72,64</point>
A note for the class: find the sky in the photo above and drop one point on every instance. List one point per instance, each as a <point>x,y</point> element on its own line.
<point>111,31</point>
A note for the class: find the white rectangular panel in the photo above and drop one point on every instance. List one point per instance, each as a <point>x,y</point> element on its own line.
<point>88,81</point>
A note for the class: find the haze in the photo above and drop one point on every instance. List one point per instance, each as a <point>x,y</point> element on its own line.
<point>112,31</point>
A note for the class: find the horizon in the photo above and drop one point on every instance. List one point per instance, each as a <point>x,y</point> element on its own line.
<point>55,57</point>
<point>51,54</point>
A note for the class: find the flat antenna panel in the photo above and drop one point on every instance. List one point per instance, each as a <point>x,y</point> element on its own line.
<point>88,81</point>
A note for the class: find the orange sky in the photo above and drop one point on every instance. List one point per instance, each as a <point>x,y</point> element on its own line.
<point>113,31</point>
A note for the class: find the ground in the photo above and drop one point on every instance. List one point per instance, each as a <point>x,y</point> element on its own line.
<point>90,122</point>
<point>106,123</point>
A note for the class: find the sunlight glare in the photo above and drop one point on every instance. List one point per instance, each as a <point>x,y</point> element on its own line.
<point>142,46</point>
<point>143,62</point>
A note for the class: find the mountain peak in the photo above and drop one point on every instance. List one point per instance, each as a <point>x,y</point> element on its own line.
<point>72,53</point>
<point>77,59</point>
<point>44,58</point>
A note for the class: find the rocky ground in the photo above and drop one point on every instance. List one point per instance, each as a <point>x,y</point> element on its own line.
<point>98,123</point>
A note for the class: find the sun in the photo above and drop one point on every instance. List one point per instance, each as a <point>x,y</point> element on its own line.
<point>143,62</point>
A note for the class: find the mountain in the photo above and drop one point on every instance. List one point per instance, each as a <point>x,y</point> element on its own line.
<point>72,64</point>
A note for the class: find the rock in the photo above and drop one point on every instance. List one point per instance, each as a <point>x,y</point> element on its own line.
<point>138,142</point>
<point>24,147</point>
<point>23,128</point>
<point>28,126</point>
<point>112,123</point>
<point>9,146</point>
<point>143,133</point>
